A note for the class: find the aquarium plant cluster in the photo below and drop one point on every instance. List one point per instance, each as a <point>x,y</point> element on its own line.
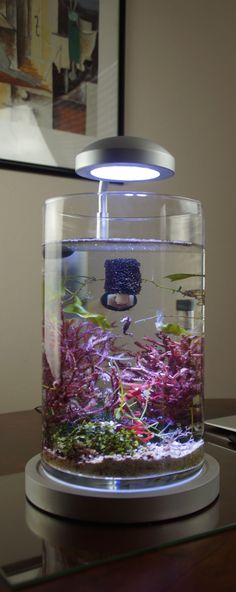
<point>117,410</point>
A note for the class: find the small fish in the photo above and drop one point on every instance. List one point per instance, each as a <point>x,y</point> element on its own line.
<point>159,320</point>
<point>126,325</point>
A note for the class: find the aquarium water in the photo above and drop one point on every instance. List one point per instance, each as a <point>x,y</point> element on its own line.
<point>123,331</point>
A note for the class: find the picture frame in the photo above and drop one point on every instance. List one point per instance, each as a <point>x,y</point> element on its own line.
<point>61,80</point>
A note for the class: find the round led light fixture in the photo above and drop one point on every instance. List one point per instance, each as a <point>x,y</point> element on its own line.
<point>124,159</point>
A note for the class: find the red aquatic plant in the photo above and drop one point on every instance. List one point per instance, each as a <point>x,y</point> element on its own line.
<point>87,384</point>
<point>167,376</point>
<point>158,385</point>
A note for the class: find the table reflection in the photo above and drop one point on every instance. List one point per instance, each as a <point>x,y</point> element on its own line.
<point>67,544</point>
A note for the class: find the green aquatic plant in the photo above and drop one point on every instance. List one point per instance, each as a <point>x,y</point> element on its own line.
<point>73,304</point>
<point>76,308</point>
<point>173,329</point>
<point>101,437</point>
<point>174,277</point>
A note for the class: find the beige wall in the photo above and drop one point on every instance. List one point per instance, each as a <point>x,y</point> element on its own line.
<point>21,201</point>
<point>180,92</point>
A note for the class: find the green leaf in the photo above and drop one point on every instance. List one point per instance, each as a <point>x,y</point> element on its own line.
<point>175,277</point>
<point>117,414</point>
<point>78,309</point>
<point>173,329</point>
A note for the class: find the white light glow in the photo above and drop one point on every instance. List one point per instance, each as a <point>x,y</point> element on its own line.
<point>125,173</point>
<point>113,485</point>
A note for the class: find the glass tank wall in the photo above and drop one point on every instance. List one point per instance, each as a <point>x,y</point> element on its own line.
<point>123,332</point>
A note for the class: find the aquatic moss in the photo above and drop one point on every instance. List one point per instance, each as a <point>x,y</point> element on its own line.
<point>97,437</point>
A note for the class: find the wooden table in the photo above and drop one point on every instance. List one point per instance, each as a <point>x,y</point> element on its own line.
<point>201,565</point>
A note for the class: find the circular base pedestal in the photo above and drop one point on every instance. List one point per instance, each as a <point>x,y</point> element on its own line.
<point>122,506</point>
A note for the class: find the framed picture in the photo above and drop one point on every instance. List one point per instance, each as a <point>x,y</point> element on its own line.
<point>61,80</point>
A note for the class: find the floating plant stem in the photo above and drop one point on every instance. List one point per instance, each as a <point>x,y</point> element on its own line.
<point>197,294</point>
<point>79,280</point>
<point>160,285</point>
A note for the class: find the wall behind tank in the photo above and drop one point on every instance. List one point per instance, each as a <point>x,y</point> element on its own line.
<point>22,197</point>
<point>180,91</point>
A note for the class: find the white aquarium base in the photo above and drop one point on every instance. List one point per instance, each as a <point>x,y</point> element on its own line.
<point>123,506</point>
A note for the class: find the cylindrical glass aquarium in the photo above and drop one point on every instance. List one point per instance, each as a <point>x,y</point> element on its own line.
<point>123,329</point>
